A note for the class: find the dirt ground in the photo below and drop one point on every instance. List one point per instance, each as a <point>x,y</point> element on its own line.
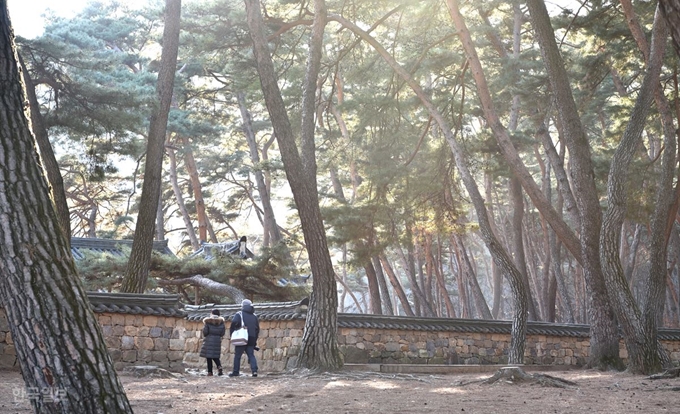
<point>363,392</point>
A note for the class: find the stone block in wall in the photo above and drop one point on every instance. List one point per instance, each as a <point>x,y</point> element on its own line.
<point>271,343</point>
<point>176,344</point>
<point>175,356</point>
<point>107,330</point>
<point>159,356</point>
<point>127,343</point>
<point>191,345</point>
<point>134,320</point>
<point>144,343</point>
<point>118,319</point>
<point>150,321</point>
<point>119,330</point>
<point>161,344</point>
<point>191,358</point>
<point>353,355</point>
<point>178,332</point>
<point>155,332</point>
<point>112,342</point>
<point>131,331</point>
<point>129,356</point>
<point>116,354</point>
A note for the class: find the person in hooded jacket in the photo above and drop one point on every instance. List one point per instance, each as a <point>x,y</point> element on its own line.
<point>248,318</point>
<point>213,331</point>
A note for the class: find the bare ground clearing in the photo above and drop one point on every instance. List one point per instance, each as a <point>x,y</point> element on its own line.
<point>364,392</point>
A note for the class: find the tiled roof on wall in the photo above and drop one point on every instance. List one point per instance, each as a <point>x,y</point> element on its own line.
<point>169,305</point>
<point>264,311</point>
<point>351,320</point>
<point>136,304</point>
<point>111,246</point>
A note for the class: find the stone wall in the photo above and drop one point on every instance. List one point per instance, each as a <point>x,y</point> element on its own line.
<point>173,342</point>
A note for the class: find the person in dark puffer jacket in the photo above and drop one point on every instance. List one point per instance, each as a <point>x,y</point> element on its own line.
<point>213,331</point>
<point>248,318</point>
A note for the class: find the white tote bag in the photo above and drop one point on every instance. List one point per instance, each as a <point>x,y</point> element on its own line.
<point>240,336</point>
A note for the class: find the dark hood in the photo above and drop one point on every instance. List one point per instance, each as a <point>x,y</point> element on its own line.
<point>248,309</point>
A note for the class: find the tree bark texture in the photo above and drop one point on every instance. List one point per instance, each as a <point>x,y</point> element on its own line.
<point>58,340</point>
<point>645,354</point>
<point>319,349</point>
<point>137,271</point>
<point>604,347</point>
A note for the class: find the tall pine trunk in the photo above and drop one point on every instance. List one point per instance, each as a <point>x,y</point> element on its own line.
<point>319,350</point>
<point>604,342</point>
<point>58,340</point>
<point>137,271</point>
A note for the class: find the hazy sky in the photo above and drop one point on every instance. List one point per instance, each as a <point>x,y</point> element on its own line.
<point>26,15</point>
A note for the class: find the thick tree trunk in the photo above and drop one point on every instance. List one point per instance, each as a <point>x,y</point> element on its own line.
<point>604,348</point>
<point>137,271</point>
<point>58,340</point>
<point>665,207</point>
<point>319,349</point>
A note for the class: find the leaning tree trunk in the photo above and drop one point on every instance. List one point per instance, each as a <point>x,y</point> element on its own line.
<point>58,340</point>
<point>137,271</point>
<point>319,350</point>
<point>499,254</point>
<point>47,155</point>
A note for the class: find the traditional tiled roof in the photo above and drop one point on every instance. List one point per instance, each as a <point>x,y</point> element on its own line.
<point>352,320</point>
<point>210,250</point>
<point>136,304</point>
<point>169,305</point>
<point>264,311</point>
<point>111,246</point>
